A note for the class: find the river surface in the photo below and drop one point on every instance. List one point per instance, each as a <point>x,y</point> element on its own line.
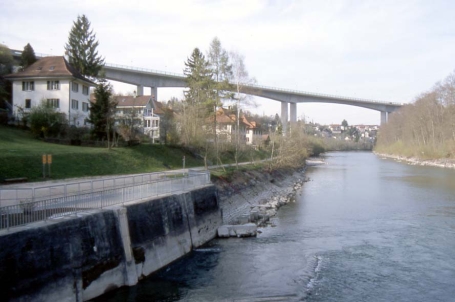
<point>363,229</point>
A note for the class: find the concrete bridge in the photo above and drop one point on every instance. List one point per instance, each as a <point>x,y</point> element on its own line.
<point>154,79</point>
<point>288,98</point>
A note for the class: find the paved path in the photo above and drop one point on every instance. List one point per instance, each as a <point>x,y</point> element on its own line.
<point>47,183</point>
<point>12,194</point>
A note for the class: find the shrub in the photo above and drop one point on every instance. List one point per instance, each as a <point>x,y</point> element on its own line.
<point>46,121</point>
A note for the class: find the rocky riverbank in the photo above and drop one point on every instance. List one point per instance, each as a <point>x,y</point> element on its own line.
<point>441,163</point>
<point>255,196</point>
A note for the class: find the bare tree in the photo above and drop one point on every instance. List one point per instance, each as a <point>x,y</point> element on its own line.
<point>425,128</point>
<point>240,79</point>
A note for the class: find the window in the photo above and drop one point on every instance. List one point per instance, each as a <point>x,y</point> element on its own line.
<point>53,102</point>
<point>84,90</point>
<point>52,68</point>
<point>28,86</point>
<point>53,85</point>
<point>84,106</point>
<point>75,87</point>
<point>74,104</point>
<point>28,103</point>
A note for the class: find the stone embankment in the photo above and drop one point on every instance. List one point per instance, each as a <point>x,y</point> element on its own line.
<point>441,163</point>
<point>251,198</point>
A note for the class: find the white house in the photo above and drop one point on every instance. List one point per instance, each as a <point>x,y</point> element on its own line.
<point>141,110</point>
<point>54,81</point>
<point>253,132</point>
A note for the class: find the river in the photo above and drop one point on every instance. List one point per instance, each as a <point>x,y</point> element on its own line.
<point>363,229</point>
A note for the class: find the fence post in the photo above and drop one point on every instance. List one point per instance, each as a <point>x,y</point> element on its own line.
<point>123,196</point>
<point>33,194</point>
<point>45,210</point>
<point>74,201</point>
<point>7,218</point>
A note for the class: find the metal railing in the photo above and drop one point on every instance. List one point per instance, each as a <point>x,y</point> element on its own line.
<point>174,74</point>
<point>27,212</point>
<point>12,196</point>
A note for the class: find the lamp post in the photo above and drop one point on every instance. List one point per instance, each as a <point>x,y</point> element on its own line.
<point>132,114</point>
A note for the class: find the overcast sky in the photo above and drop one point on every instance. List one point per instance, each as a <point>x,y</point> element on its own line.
<point>381,50</point>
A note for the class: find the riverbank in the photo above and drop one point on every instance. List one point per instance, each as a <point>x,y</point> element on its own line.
<point>256,195</point>
<point>441,163</point>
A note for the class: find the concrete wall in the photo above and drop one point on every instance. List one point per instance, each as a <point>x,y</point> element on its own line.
<point>79,258</point>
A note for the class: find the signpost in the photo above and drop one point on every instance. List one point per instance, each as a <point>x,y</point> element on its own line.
<point>44,165</point>
<point>46,159</point>
<point>49,162</point>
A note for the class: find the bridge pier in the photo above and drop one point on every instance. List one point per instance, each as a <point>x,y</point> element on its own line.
<point>154,93</point>
<point>139,90</point>
<point>284,116</point>
<point>384,117</point>
<point>293,108</point>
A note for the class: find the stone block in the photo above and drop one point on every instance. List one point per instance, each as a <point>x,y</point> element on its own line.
<point>244,230</point>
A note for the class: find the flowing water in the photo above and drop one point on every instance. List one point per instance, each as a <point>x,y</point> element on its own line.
<point>363,229</point>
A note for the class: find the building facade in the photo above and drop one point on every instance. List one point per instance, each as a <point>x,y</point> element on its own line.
<point>139,112</point>
<point>54,81</point>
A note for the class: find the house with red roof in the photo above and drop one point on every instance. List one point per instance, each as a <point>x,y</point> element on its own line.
<point>226,125</point>
<point>54,81</point>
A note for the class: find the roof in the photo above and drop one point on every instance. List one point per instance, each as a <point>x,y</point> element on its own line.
<point>130,101</point>
<point>50,67</point>
<point>249,122</point>
<point>157,107</point>
<point>225,116</point>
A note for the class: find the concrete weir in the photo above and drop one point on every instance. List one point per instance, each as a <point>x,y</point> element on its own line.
<point>79,258</point>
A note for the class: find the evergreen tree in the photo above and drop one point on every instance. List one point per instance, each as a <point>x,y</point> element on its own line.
<point>200,101</point>
<point>6,67</point>
<point>102,111</point>
<point>28,56</point>
<point>81,48</point>
<point>199,81</point>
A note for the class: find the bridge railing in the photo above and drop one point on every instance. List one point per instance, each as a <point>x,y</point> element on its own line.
<point>306,93</point>
<point>28,211</point>
<point>145,70</point>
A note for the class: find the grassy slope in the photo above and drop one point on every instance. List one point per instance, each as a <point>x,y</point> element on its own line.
<point>20,156</point>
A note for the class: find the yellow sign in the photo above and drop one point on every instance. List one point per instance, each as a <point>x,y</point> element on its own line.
<point>49,158</point>
<point>44,159</point>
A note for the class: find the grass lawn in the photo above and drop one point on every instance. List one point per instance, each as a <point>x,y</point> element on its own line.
<point>20,156</point>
